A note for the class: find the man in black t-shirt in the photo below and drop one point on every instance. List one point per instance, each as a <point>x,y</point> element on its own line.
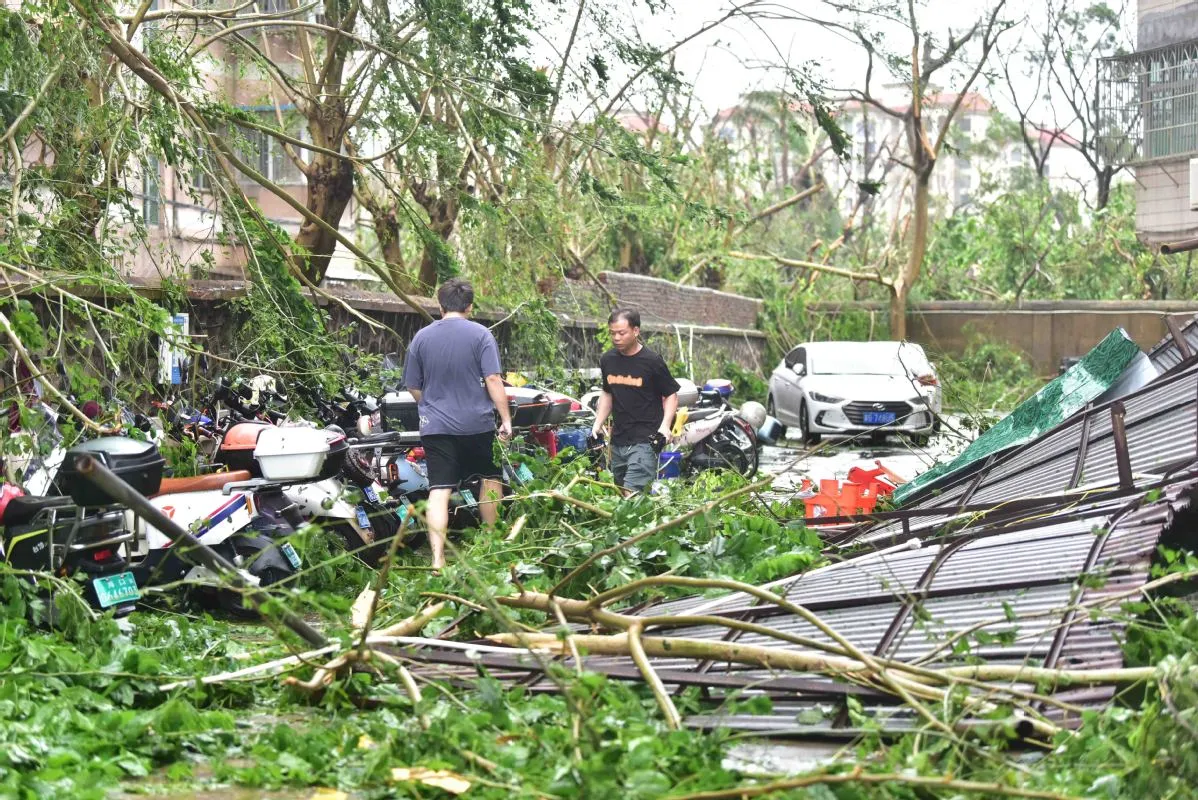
<point>638,386</point>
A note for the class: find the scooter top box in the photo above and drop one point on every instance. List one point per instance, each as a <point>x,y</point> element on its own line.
<point>400,412</point>
<point>237,447</point>
<point>559,408</point>
<point>688,393</point>
<point>335,460</point>
<point>137,463</point>
<point>528,406</point>
<point>291,454</point>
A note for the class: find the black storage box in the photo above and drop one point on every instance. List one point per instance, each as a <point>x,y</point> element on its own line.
<point>139,464</point>
<point>559,410</point>
<point>338,449</point>
<point>400,412</point>
<point>528,406</point>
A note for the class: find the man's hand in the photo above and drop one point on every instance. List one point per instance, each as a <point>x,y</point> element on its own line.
<point>505,429</point>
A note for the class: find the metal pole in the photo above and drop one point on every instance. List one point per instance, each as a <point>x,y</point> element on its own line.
<point>1185,245</point>
<point>125,494</point>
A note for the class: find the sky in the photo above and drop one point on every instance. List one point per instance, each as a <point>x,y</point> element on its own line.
<point>738,56</point>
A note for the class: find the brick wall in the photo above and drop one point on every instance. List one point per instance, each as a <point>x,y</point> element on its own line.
<point>659,301</point>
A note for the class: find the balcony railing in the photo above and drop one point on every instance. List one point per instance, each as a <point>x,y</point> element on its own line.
<point>1148,104</point>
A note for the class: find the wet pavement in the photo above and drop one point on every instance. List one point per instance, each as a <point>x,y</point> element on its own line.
<point>833,458</point>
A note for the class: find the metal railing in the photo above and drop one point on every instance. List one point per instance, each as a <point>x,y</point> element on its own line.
<point>1148,104</point>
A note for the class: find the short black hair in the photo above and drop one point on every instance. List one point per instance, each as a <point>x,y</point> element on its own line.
<point>456,295</point>
<point>629,315</point>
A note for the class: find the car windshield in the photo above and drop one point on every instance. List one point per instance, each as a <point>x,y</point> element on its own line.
<point>868,359</point>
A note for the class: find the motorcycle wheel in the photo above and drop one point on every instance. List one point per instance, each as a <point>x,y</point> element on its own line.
<point>249,548</point>
<point>384,524</point>
<point>737,448</point>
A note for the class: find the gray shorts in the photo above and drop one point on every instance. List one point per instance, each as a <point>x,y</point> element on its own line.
<point>634,466</point>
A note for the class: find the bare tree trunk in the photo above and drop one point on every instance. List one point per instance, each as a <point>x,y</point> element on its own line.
<point>442,219</point>
<point>330,188</point>
<point>919,248</point>
<point>1104,177</point>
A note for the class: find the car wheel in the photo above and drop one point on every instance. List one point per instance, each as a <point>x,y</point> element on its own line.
<point>772,410</point>
<point>805,426</point>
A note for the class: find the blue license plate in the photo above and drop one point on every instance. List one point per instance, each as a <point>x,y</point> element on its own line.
<point>879,417</point>
<point>363,518</point>
<point>113,590</point>
<point>292,556</point>
<point>371,494</point>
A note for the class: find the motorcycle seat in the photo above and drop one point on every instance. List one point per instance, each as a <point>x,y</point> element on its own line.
<point>702,413</point>
<point>21,510</point>
<point>202,483</point>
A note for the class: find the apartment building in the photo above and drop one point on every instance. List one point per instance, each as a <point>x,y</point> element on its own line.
<point>977,156</point>
<point>179,206</point>
<point>1149,110</point>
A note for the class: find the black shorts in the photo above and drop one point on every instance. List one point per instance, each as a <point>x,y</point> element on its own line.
<point>454,459</point>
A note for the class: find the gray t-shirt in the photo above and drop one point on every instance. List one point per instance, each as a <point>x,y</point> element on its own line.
<point>447,361</point>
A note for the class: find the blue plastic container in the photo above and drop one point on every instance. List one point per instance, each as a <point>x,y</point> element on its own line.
<point>572,437</point>
<point>669,464</point>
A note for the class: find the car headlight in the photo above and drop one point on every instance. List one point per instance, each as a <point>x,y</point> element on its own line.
<point>823,398</point>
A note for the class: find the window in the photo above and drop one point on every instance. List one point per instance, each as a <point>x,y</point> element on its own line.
<point>964,123</point>
<point>151,200</point>
<point>1148,104</point>
<point>266,154</point>
<point>203,168</point>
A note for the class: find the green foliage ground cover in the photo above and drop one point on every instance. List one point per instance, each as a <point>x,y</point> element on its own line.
<point>84,716</point>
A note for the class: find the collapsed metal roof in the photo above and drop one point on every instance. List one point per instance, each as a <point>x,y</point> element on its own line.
<point>1180,345</point>
<point>1025,560</point>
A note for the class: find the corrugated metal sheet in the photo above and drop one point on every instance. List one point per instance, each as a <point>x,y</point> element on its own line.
<point>1024,550</point>
<point>1166,354</point>
<point>1017,577</point>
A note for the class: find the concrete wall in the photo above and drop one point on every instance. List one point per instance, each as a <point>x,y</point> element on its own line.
<point>1163,201</point>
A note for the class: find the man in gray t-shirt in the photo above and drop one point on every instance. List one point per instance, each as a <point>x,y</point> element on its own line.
<point>453,371</point>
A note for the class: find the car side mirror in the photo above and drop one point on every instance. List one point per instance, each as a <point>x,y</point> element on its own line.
<point>797,368</point>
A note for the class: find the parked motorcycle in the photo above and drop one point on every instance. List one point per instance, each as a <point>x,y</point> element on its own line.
<point>709,432</point>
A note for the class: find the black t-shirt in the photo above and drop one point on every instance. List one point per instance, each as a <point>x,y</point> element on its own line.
<point>637,385</point>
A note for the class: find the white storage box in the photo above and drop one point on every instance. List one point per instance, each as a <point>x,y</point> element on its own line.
<point>291,454</point>
<point>688,393</point>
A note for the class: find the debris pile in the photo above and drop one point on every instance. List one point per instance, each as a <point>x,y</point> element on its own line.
<point>997,585</point>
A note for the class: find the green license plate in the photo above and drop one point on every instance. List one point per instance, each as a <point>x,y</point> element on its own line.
<point>113,590</point>
<point>291,555</point>
<point>524,473</point>
<point>468,498</point>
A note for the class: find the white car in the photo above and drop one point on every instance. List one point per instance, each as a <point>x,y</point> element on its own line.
<point>848,388</point>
